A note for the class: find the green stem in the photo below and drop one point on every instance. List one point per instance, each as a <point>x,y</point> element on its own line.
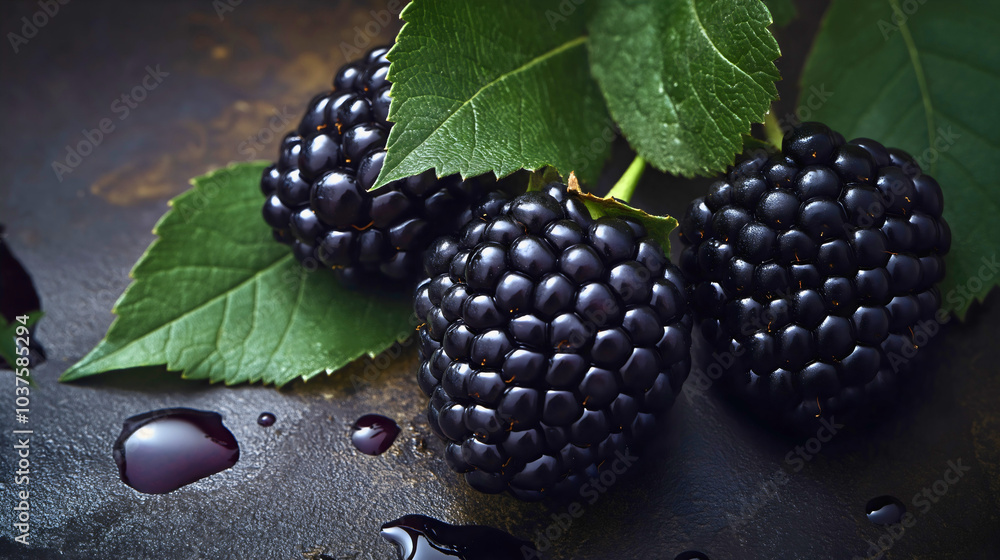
<point>918,70</point>
<point>772,130</point>
<point>625,187</point>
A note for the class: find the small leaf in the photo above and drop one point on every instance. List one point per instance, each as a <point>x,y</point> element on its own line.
<point>217,298</point>
<point>923,77</point>
<point>659,227</point>
<point>493,86</point>
<point>8,336</point>
<point>752,145</point>
<point>542,177</point>
<point>685,79</point>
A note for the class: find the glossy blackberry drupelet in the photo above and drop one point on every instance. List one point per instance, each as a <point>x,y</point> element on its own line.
<point>550,343</point>
<point>814,275</point>
<point>317,197</point>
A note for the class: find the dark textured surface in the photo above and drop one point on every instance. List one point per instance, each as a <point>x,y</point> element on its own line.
<point>300,489</point>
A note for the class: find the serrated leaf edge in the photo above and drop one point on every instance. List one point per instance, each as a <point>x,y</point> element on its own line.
<point>388,174</point>
<point>592,201</point>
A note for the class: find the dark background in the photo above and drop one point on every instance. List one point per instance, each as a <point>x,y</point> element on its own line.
<point>300,490</point>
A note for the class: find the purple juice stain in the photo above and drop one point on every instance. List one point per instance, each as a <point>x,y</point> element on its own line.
<point>162,450</point>
<point>885,510</point>
<point>266,419</point>
<point>418,537</point>
<point>373,434</point>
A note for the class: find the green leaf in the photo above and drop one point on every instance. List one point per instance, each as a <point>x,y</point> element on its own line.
<point>217,298</point>
<point>542,177</point>
<point>782,11</point>
<point>685,79</point>
<point>659,227</point>
<point>494,86</point>
<point>923,77</point>
<point>8,348</point>
<point>8,336</point>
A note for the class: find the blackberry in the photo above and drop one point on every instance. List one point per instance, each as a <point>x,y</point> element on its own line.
<point>814,271</point>
<point>317,197</point>
<point>550,343</point>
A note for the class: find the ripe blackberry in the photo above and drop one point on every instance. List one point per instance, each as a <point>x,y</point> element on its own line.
<point>551,342</point>
<point>814,272</point>
<point>317,197</point>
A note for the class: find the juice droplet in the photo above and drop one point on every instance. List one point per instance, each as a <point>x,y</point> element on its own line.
<point>885,510</point>
<point>691,555</point>
<point>162,450</point>
<point>418,537</point>
<point>373,434</point>
<point>266,419</point>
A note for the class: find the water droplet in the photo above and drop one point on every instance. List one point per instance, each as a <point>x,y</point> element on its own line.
<point>418,537</point>
<point>162,450</point>
<point>373,434</point>
<point>266,419</point>
<point>885,510</point>
<point>691,555</point>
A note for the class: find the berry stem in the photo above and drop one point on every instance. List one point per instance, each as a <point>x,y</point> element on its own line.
<point>625,187</point>
<point>772,130</point>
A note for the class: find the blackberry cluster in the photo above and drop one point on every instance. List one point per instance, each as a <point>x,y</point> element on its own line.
<point>551,342</point>
<point>814,269</point>
<point>317,193</point>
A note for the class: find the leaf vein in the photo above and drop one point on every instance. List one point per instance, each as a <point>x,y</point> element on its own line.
<point>704,32</point>
<point>573,43</point>
<point>918,70</point>
<point>173,320</point>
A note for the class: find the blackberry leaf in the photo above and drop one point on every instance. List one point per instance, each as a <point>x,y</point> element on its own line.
<point>684,80</point>
<point>659,227</point>
<point>216,298</point>
<point>538,180</point>
<point>8,337</point>
<point>493,86</point>
<point>925,79</point>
